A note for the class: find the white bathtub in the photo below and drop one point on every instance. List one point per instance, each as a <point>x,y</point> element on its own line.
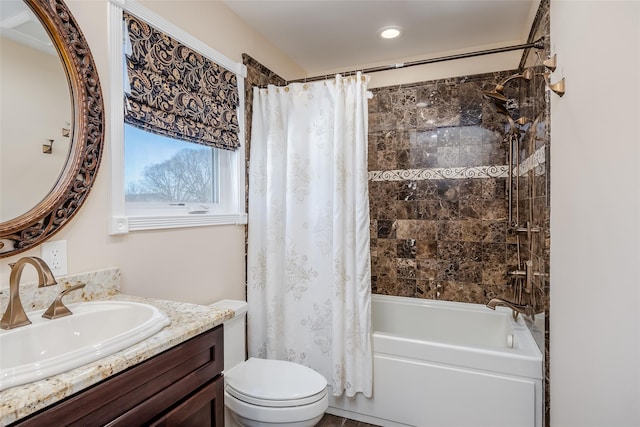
<point>452,364</point>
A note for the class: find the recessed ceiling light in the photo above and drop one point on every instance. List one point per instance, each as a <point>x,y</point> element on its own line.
<point>389,32</point>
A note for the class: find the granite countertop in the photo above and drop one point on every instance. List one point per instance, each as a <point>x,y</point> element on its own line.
<point>187,321</point>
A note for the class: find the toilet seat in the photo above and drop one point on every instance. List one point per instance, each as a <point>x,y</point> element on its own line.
<point>275,383</point>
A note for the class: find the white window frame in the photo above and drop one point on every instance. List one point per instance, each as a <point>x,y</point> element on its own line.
<point>121,223</point>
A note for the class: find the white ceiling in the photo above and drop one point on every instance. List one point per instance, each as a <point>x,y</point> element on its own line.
<point>333,35</point>
<point>19,23</point>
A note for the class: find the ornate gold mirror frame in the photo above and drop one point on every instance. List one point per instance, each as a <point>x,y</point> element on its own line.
<point>75,182</point>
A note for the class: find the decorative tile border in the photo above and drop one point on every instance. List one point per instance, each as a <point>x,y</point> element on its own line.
<point>535,162</point>
<point>440,173</point>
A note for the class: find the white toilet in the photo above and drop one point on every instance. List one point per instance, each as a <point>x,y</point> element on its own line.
<point>261,393</point>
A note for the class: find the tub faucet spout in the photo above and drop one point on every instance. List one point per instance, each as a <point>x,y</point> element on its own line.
<point>516,308</point>
<point>15,316</point>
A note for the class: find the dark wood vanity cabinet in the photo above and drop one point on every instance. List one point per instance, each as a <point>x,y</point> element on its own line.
<point>181,387</point>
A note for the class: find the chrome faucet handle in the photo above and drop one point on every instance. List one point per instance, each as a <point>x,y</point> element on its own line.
<point>57,307</point>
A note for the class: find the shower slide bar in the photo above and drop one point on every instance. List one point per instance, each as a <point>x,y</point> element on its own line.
<point>538,44</point>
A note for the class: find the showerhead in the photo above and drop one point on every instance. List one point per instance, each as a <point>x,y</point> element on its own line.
<point>495,95</point>
<point>527,75</point>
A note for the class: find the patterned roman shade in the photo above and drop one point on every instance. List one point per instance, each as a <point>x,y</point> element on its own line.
<point>177,92</point>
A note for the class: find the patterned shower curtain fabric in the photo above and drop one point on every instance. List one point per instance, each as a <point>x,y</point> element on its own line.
<point>309,277</point>
<point>177,92</point>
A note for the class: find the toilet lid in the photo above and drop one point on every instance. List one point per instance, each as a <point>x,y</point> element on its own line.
<point>275,383</point>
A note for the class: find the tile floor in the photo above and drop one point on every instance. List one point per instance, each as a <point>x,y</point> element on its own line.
<point>333,421</point>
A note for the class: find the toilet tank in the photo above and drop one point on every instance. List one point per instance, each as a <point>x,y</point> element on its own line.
<point>234,332</point>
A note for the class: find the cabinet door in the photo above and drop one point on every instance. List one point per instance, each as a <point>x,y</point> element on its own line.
<point>142,392</point>
<point>204,408</point>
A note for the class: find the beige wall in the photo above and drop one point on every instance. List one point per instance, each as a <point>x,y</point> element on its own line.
<point>201,264</point>
<point>595,215</point>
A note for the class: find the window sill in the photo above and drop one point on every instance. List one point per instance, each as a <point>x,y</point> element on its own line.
<point>127,224</point>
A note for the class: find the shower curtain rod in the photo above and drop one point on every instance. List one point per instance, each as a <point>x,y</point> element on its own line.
<point>538,44</point>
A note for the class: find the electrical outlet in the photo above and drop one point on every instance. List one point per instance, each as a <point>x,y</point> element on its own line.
<point>55,255</point>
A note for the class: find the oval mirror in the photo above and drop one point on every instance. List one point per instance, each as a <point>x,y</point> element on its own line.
<point>52,117</point>
<point>31,156</point>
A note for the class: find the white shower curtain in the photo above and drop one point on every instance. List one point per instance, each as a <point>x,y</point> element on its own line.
<point>309,276</point>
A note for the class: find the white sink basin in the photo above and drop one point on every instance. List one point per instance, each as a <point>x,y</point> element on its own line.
<point>94,330</point>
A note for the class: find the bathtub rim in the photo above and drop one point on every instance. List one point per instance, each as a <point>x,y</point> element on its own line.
<point>525,359</point>
<point>471,306</point>
<point>457,305</point>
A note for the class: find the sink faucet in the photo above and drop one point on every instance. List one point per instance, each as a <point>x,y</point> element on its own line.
<point>57,308</point>
<point>15,316</point>
<point>516,308</point>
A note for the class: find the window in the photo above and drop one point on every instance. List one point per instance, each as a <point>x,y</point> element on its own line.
<point>168,175</point>
<point>180,172</point>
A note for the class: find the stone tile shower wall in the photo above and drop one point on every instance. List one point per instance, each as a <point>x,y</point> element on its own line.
<point>437,191</point>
